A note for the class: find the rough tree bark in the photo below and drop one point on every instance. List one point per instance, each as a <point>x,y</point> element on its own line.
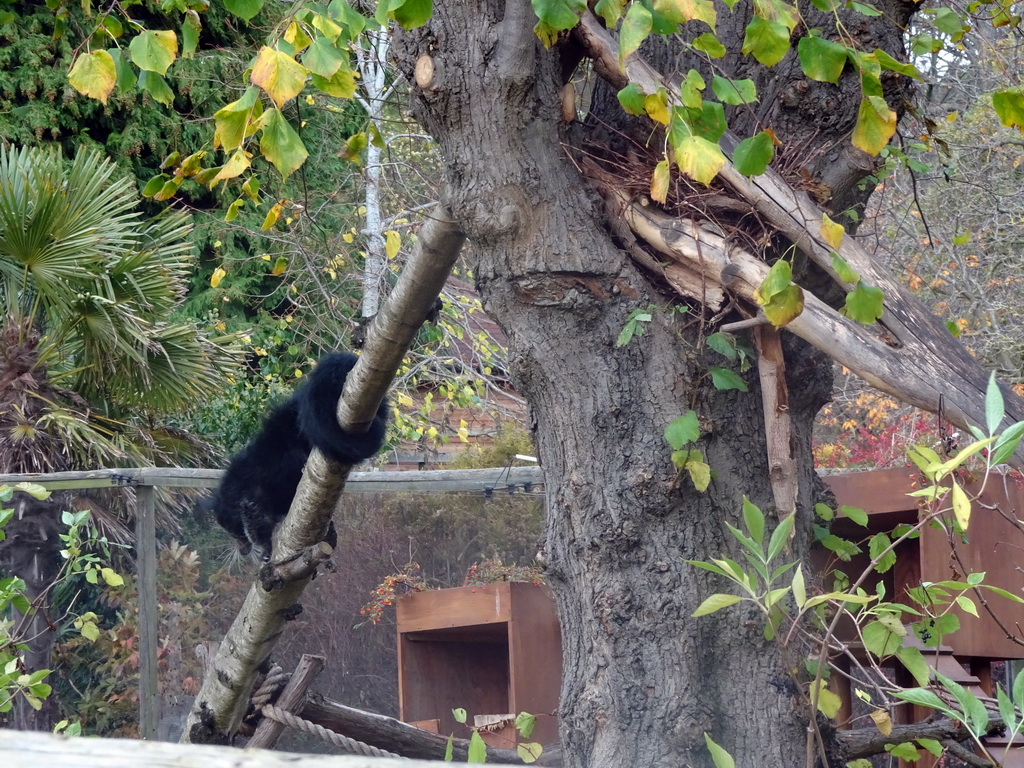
<point>643,681</point>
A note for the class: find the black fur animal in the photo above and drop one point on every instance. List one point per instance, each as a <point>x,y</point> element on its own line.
<point>261,479</point>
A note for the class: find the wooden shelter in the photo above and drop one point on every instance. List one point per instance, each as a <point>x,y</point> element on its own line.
<point>493,650</point>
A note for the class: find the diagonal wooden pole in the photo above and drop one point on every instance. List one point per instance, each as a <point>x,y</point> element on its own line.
<point>298,546</point>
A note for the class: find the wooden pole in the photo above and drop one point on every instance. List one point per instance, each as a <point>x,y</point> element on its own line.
<point>145,546</point>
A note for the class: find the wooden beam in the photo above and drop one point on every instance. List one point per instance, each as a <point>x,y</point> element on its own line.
<point>145,548</point>
<point>26,749</point>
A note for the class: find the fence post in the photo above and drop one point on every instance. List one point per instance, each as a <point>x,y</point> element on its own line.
<point>145,552</point>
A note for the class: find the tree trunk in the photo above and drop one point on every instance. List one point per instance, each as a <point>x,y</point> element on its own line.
<point>643,681</point>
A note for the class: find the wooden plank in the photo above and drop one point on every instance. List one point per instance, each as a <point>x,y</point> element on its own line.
<point>535,658</point>
<point>145,549</point>
<point>26,749</point>
<point>877,491</point>
<point>449,608</point>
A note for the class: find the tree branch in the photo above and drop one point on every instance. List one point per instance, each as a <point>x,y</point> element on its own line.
<point>909,353</point>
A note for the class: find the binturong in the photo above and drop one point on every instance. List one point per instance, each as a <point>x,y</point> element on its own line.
<point>260,482</point>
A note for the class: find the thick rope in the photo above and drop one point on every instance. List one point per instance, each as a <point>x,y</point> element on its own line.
<point>276,679</point>
<point>351,746</point>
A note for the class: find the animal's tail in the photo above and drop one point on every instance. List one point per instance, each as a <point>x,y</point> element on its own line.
<point>317,401</point>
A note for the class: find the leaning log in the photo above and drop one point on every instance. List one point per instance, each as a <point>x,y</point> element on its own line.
<point>395,736</point>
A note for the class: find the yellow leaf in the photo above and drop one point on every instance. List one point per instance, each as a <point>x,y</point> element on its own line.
<point>882,721</point>
<point>656,107</point>
<point>94,75</point>
<point>659,182</point>
<point>828,702</point>
<point>296,37</point>
<point>279,266</point>
<point>699,158</point>
<point>348,237</point>
<point>392,242</point>
<point>832,232</point>
<point>280,76</point>
<point>961,506</point>
<point>876,124</point>
<point>235,165</point>
<point>272,216</point>
<point>218,275</point>
<point>463,434</point>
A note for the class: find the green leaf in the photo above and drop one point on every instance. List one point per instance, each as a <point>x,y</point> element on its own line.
<point>280,144</point>
<point>559,14</point>
<point>719,756</point>
<point>154,50</point>
<point>632,99</point>
<point>1007,443</point>
<point>710,45</point>
<point>126,77</point>
<point>280,76</point>
<point>994,409</point>
<point>780,536</point>
<point>753,518</point>
<point>237,120</point>
<point>683,430</point>
<point>824,511</point>
<point>753,154</point>
<point>477,752</point>
<point>890,64</point>
<point>611,11</point>
<point>878,544</point>
<point>411,14</point>
<point>89,630</point>
<point>156,86</point>
<point>690,90</point>
<point>948,21</point>
<point>1009,106</point>
<point>233,209</point>
<point>864,303</point>
<point>323,58</point>
<point>699,158</point>
<point>716,603</point>
<point>977,714</point>
<point>799,587</point>
<point>244,9</point>
<point>342,85</point>
<point>724,379</point>
<point>905,751</point>
<point>854,514</point>
<point>845,272</point>
<point>525,723</point>
<point>459,714</point>
<point>94,75</point>
<point>820,59</point>
<point>635,29</point>
<point>734,92</point>
<point>914,661</point>
<point>767,40</point>
<point>191,26</point>
<point>725,344</point>
<point>779,277</point>
<point>880,640</point>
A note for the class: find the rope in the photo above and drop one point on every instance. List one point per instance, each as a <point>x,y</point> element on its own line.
<point>353,747</point>
<point>276,679</point>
